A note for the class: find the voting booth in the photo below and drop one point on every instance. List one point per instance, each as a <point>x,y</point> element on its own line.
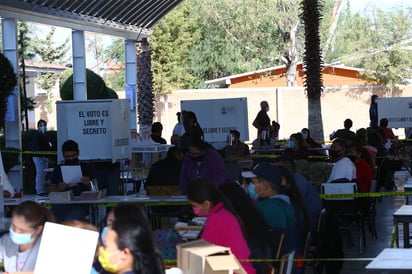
<point>218,117</point>
<point>100,127</point>
<point>398,111</point>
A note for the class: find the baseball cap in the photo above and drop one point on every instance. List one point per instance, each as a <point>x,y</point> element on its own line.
<point>266,172</point>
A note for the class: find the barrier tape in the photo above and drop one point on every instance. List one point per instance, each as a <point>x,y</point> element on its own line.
<point>366,194</point>
<point>30,152</point>
<point>174,261</point>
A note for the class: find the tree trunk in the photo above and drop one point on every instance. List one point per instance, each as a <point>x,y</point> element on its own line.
<point>145,98</point>
<point>291,60</point>
<point>315,118</point>
<point>312,62</point>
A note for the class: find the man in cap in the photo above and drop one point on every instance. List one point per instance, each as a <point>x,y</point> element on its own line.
<point>274,206</point>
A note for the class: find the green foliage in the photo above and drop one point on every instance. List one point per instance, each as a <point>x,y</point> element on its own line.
<point>48,51</point>
<point>378,43</point>
<point>115,81</point>
<point>171,41</point>
<point>8,80</point>
<point>96,88</point>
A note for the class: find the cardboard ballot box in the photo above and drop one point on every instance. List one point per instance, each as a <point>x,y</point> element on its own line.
<point>198,257</point>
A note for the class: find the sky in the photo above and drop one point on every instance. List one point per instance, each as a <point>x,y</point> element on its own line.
<point>360,5</point>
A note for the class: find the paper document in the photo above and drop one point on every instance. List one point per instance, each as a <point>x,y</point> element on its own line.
<point>76,250</point>
<point>71,174</point>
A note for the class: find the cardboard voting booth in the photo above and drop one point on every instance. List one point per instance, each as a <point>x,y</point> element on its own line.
<point>198,257</point>
<point>66,250</point>
<point>100,127</point>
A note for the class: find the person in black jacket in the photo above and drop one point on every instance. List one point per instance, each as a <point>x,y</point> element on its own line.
<point>41,142</point>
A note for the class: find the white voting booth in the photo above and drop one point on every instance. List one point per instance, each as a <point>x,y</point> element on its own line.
<point>218,117</point>
<point>398,111</point>
<point>100,127</point>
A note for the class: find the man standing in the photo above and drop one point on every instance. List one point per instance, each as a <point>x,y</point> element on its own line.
<point>41,142</point>
<point>68,212</point>
<point>262,120</point>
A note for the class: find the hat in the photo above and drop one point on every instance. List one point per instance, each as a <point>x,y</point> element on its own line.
<point>266,172</point>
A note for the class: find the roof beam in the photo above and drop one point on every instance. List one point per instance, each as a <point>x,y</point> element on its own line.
<point>64,19</point>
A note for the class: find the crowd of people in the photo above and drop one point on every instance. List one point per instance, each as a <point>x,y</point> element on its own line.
<point>259,214</point>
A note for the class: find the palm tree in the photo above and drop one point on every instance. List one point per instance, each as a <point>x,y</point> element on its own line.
<point>145,98</point>
<point>312,62</point>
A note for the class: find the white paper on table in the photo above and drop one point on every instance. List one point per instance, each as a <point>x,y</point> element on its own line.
<point>71,174</point>
<point>76,248</point>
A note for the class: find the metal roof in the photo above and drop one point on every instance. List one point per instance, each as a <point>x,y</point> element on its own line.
<point>132,19</point>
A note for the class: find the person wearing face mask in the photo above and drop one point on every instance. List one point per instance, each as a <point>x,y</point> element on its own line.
<point>222,226</point>
<point>297,148</point>
<point>274,205</point>
<point>262,120</point>
<point>41,142</point>
<point>129,246</point>
<point>308,139</point>
<point>66,212</point>
<point>236,150</point>
<point>19,248</point>
<point>364,167</point>
<point>344,168</point>
<point>202,161</point>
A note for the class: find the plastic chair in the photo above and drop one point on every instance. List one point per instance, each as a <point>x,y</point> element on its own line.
<point>345,209</point>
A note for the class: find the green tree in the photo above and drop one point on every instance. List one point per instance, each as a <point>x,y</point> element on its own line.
<point>8,81</point>
<point>50,53</point>
<point>96,88</point>
<point>173,37</point>
<point>26,52</point>
<point>378,43</point>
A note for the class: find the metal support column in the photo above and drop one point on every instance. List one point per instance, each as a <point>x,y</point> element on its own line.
<point>79,66</point>
<point>131,79</point>
<point>13,121</point>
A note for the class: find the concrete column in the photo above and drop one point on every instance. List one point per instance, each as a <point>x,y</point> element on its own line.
<point>13,121</point>
<point>79,66</point>
<point>131,79</point>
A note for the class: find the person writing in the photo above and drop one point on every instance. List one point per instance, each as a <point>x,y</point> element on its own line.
<point>19,248</point>
<point>223,226</point>
<point>66,212</point>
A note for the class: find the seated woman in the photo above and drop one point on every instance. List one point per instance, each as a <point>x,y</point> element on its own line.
<point>129,247</point>
<point>222,226</point>
<point>19,248</point>
<point>364,167</point>
<point>256,228</point>
<point>297,147</point>
<point>308,139</point>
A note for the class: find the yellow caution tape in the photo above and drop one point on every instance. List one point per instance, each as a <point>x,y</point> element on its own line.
<point>366,194</point>
<point>30,152</point>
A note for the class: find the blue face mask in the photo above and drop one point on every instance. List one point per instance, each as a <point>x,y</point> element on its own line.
<point>42,129</point>
<point>103,233</point>
<point>251,190</point>
<point>19,239</point>
<point>291,144</point>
